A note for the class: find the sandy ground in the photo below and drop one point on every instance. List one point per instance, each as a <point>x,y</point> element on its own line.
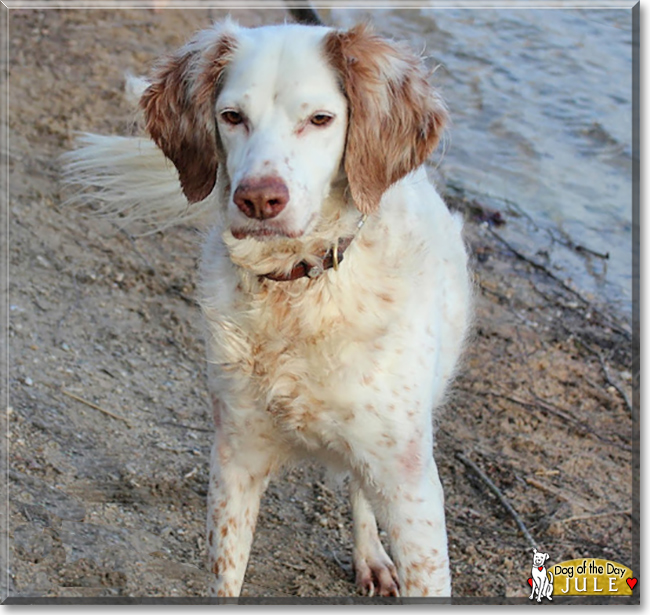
<point>105,505</point>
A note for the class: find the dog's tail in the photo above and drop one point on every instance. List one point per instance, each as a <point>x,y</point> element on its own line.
<point>128,179</point>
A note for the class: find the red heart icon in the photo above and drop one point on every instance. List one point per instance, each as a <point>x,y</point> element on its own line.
<point>631,582</point>
<point>530,582</point>
<point>541,568</point>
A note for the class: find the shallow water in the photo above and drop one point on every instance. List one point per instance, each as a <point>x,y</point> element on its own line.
<point>541,103</point>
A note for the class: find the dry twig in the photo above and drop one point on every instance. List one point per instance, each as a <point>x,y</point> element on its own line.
<point>609,380</point>
<point>593,516</point>
<point>567,242</point>
<point>502,498</point>
<point>546,271</point>
<point>608,377</point>
<point>96,407</point>
<point>549,408</point>
<point>546,406</point>
<point>184,426</point>
<point>542,487</point>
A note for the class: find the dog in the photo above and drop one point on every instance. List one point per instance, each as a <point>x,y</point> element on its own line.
<point>334,281</point>
<point>541,581</point>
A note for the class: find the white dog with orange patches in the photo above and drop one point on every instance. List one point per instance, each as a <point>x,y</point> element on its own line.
<point>333,283</point>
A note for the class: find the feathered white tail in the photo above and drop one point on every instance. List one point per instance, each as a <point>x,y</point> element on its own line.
<point>128,179</point>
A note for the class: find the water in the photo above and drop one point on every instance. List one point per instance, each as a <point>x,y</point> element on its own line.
<point>541,102</point>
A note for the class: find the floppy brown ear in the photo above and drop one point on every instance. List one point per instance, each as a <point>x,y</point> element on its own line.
<point>395,118</point>
<point>179,110</point>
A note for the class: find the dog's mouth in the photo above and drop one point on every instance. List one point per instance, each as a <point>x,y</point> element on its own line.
<point>266,233</point>
<point>272,230</point>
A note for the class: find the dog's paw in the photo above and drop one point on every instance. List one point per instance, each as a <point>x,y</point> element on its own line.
<point>377,576</point>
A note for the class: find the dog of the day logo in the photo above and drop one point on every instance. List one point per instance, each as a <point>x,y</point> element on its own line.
<point>579,577</point>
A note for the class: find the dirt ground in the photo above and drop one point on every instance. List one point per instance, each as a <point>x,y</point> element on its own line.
<point>109,429</point>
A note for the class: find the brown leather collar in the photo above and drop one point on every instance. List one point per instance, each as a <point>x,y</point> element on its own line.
<point>304,269</point>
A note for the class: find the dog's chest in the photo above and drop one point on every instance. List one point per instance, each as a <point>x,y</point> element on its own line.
<point>306,356</point>
<point>309,338</point>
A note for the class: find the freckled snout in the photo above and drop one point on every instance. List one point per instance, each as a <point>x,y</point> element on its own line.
<point>261,198</point>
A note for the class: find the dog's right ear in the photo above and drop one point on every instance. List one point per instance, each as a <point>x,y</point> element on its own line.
<point>179,107</point>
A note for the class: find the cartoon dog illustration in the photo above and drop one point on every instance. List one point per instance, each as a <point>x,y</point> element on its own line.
<point>541,581</point>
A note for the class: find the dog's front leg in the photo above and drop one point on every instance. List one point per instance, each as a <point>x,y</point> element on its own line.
<point>410,504</point>
<point>375,571</point>
<point>237,481</point>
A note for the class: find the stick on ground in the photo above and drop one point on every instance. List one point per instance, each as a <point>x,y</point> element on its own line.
<point>95,407</point>
<point>594,516</point>
<point>502,498</point>
<point>618,388</point>
<point>607,319</point>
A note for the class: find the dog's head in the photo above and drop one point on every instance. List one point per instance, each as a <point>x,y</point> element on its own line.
<point>286,111</point>
<point>539,558</point>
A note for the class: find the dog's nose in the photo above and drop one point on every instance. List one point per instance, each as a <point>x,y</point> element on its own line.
<point>261,198</point>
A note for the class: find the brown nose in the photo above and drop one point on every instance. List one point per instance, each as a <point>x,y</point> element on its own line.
<point>261,198</point>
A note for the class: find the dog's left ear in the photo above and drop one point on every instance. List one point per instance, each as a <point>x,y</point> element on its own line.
<point>395,118</point>
<point>545,558</point>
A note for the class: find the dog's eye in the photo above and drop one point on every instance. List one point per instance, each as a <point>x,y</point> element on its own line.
<point>321,119</point>
<point>232,117</point>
